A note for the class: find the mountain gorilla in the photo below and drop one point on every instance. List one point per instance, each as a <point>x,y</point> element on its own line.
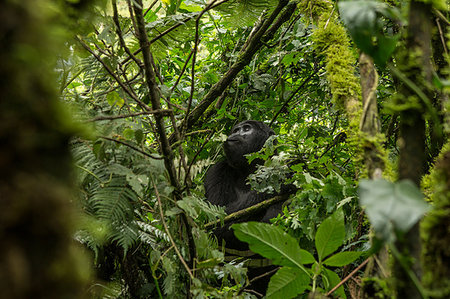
<point>225,185</point>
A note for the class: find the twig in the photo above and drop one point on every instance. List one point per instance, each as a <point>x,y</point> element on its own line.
<point>196,155</point>
<point>112,74</point>
<point>194,58</point>
<point>154,93</point>
<point>132,147</point>
<point>119,33</point>
<point>180,23</point>
<point>264,275</point>
<point>293,95</point>
<point>248,211</point>
<point>112,117</point>
<point>168,232</point>
<point>441,35</point>
<point>348,276</point>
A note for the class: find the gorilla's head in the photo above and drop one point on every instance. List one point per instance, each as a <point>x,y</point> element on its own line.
<point>246,137</point>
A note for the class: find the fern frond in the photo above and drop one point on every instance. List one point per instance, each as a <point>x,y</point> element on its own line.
<point>242,13</point>
<point>126,235</point>
<point>201,210</point>
<point>148,233</point>
<point>113,201</point>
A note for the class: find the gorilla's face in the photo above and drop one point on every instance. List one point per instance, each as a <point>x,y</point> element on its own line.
<point>246,137</point>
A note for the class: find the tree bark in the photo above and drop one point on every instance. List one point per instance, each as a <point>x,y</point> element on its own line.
<point>38,258</point>
<point>416,65</point>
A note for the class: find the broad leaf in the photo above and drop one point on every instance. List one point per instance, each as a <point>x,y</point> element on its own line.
<point>273,243</point>
<point>342,258</point>
<point>391,206</point>
<point>287,283</point>
<point>330,234</point>
<point>364,21</point>
<point>331,280</point>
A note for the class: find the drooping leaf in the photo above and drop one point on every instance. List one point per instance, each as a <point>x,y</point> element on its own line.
<point>287,283</point>
<point>332,280</point>
<point>363,20</point>
<point>391,206</point>
<point>330,235</point>
<point>342,258</point>
<point>273,243</point>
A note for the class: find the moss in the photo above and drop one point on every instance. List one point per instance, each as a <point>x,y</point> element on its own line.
<point>376,288</point>
<point>330,38</point>
<point>435,229</point>
<point>315,9</point>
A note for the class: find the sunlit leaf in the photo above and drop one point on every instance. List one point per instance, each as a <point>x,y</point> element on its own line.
<point>391,206</point>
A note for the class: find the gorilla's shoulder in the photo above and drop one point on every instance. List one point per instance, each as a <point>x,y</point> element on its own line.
<point>217,173</point>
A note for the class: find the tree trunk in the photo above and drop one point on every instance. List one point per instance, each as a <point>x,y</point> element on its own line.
<point>37,255</point>
<point>415,63</point>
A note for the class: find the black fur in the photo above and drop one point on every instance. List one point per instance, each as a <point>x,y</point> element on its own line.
<point>225,185</point>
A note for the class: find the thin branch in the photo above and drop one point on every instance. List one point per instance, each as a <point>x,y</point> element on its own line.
<point>161,213</point>
<point>181,73</point>
<point>151,6</point>
<point>248,211</point>
<point>132,147</point>
<point>348,277</point>
<point>196,155</point>
<point>194,58</point>
<point>112,117</point>
<point>112,74</point>
<point>167,31</point>
<point>285,104</point>
<point>120,35</point>
<point>154,93</point>
<point>442,36</point>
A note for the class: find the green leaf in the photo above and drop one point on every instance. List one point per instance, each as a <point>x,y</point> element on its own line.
<point>364,21</point>
<point>139,135</point>
<point>332,280</point>
<point>273,243</point>
<point>113,98</point>
<point>330,235</point>
<point>342,258</point>
<point>128,133</point>
<point>287,283</point>
<point>391,206</point>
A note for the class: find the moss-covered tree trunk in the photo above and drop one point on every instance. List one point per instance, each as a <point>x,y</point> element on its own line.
<point>435,231</point>
<point>37,257</point>
<point>415,62</point>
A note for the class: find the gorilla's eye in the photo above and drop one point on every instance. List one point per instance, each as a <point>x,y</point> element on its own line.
<point>247,128</point>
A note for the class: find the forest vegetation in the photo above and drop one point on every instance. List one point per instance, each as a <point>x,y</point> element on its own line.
<point>113,111</point>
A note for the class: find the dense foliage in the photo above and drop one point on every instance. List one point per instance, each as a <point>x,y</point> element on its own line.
<point>159,84</point>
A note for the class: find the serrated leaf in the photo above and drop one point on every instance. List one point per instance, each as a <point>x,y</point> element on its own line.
<point>330,235</point>
<point>391,206</point>
<point>271,242</point>
<point>287,283</point>
<point>342,258</point>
